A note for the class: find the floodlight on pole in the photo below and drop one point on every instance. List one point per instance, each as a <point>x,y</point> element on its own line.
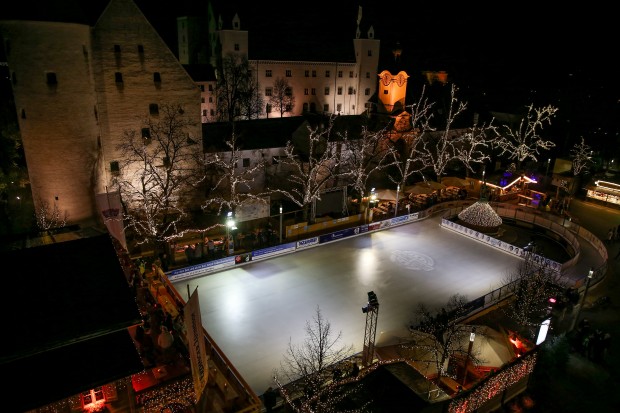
<point>371,309</point>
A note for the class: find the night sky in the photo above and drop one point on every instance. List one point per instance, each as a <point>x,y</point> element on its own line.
<point>501,56</point>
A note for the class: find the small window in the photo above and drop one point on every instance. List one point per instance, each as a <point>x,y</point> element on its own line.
<point>367,75</point>
<point>146,135</point>
<point>327,73</point>
<point>114,168</point>
<point>314,73</point>
<point>202,88</point>
<point>210,99</point>
<point>385,92</point>
<point>305,107</point>
<point>140,49</point>
<point>246,162</point>
<point>289,73</point>
<point>212,112</point>
<point>156,77</point>
<point>307,73</point>
<point>288,91</point>
<point>313,91</point>
<point>236,47</point>
<point>351,74</point>
<point>204,112</point>
<point>210,88</point>
<point>326,91</point>
<point>202,100</point>
<point>117,48</point>
<point>340,90</point>
<point>369,52</point>
<point>51,78</point>
<point>306,91</point>
<point>340,73</point>
<point>268,73</point>
<point>268,91</point>
<point>351,91</point>
<point>326,108</point>
<point>367,91</point>
<point>118,77</point>
<point>154,109</point>
<point>339,107</point>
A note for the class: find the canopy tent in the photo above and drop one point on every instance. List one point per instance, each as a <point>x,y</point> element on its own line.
<point>454,181</point>
<point>490,346</point>
<point>418,189</point>
<point>387,194</point>
<point>434,185</point>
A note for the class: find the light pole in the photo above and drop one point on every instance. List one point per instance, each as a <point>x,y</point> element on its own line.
<point>548,163</point>
<point>372,198</point>
<point>583,299</point>
<point>280,223</point>
<point>230,224</point>
<point>396,208</point>
<point>472,337</point>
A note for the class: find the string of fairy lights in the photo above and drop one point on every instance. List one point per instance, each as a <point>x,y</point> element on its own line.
<point>480,214</point>
<point>494,385</point>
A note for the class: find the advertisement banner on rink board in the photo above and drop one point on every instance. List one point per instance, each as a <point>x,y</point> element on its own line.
<point>307,242</point>
<point>339,235</point>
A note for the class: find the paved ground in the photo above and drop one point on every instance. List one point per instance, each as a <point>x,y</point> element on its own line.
<point>262,305</point>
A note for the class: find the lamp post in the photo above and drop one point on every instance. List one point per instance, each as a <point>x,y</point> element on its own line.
<point>583,299</point>
<point>396,208</point>
<point>280,223</point>
<point>548,163</point>
<point>230,224</point>
<point>472,337</point>
<point>372,198</point>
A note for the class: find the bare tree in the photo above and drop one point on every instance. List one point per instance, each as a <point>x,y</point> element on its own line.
<point>408,157</point>
<point>232,186</point>
<point>525,141</point>
<point>282,98</point>
<point>438,336</point>
<point>581,155</point>
<point>309,165</point>
<point>533,282</point>
<point>306,374</point>
<point>48,216</point>
<point>365,156</point>
<point>236,89</point>
<point>440,148</point>
<point>474,146</point>
<point>251,99</point>
<point>159,169</point>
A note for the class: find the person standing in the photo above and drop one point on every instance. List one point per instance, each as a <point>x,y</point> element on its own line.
<point>269,399</point>
<point>211,248</point>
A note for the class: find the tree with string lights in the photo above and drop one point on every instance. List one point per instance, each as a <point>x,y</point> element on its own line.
<point>525,141</point>
<point>438,337</point>
<point>309,165</point>
<point>230,187</point>
<point>365,157</point>
<point>159,169</point>
<point>308,377</point>
<point>407,155</point>
<point>533,283</point>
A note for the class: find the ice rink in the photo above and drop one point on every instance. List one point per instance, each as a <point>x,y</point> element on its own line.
<point>252,311</point>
